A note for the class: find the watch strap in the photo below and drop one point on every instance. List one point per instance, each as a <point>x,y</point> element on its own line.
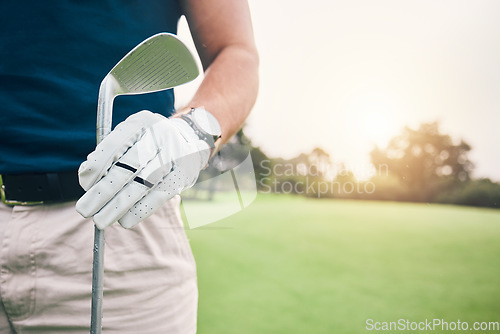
<point>206,137</point>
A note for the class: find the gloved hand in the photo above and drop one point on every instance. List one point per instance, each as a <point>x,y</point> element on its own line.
<point>142,163</point>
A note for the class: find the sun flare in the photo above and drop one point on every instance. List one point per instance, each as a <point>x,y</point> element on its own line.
<point>376,117</point>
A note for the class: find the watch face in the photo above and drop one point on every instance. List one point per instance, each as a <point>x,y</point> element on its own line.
<point>206,122</point>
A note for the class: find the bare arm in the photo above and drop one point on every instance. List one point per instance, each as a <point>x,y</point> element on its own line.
<point>222,32</point>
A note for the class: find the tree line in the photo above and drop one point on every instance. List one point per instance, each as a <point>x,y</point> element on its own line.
<point>417,165</point>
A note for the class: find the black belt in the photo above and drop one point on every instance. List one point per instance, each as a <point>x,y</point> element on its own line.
<point>40,188</point>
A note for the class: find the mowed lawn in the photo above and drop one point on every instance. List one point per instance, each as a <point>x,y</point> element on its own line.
<point>289,264</point>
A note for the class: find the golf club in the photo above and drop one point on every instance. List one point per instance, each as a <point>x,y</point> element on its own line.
<point>158,63</point>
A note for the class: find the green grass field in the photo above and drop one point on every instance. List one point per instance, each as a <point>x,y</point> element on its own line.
<point>295,265</point>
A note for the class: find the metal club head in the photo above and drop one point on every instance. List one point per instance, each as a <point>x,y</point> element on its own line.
<point>158,63</point>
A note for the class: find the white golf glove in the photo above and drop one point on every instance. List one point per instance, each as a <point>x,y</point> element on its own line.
<point>142,163</point>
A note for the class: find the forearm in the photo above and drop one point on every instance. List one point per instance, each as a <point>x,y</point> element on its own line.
<point>229,88</point>
<point>222,32</point>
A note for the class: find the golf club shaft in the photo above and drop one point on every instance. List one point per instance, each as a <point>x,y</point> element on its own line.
<point>97,282</point>
<point>104,119</point>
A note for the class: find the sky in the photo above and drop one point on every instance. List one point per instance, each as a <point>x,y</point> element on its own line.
<point>348,75</point>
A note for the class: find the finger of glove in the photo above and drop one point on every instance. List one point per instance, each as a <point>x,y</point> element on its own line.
<point>114,146</point>
<point>153,200</point>
<point>183,175</point>
<point>100,194</point>
<point>120,204</point>
<point>133,192</point>
<point>120,174</point>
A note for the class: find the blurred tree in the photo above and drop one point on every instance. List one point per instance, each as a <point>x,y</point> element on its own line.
<point>260,162</point>
<point>345,183</point>
<point>422,158</point>
<point>319,162</point>
<point>305,174</point>
<point>482,192</point>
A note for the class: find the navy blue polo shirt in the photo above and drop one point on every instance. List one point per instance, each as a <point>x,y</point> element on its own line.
<point>53,57</point>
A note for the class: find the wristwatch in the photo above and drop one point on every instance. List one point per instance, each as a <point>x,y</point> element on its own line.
<point>204,125</point>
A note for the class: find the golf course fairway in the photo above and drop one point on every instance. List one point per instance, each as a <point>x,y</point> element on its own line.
<point>288,264</point>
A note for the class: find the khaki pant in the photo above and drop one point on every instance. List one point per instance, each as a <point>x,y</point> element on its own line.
<point>46,272</point>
